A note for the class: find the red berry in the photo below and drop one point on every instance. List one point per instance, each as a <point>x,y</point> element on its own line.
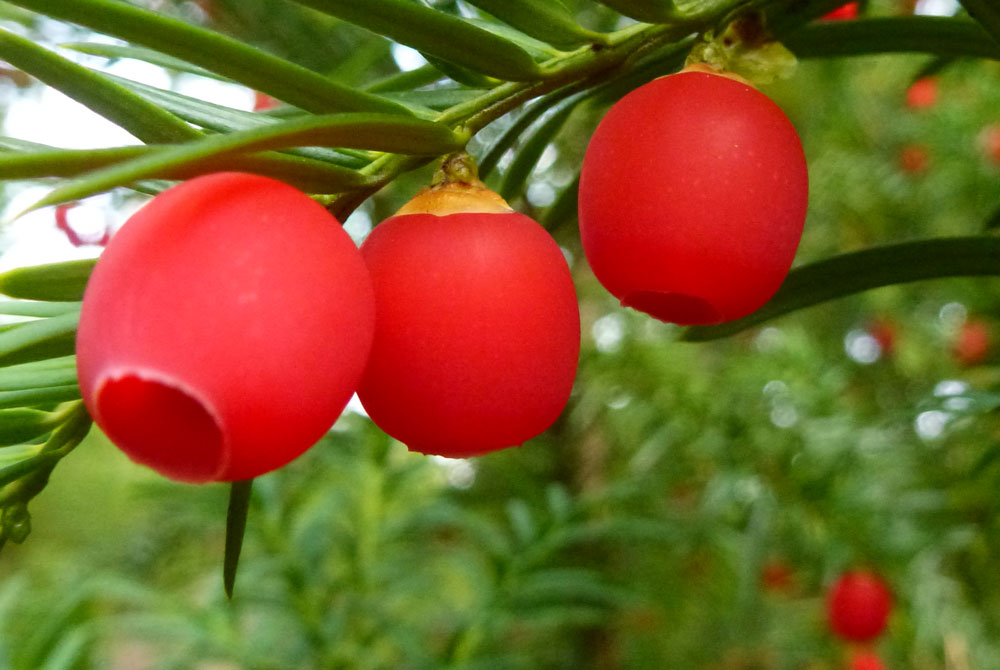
<point>990,142</point>
<point>922,93</point>
<point>777,576</point>
<point>858,606</point>
<point>973,342</point>
<point>866,660</point>
<point>884,332</point>
<point>842,13</point>
<point>692,198</point>
<point>263,102</point>
<point>914,159</point>
<point>224,328</point>
<point>478,329</point>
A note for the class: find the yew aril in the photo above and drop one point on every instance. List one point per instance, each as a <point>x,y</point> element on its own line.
<point>914,159</point>
<point>843,13</point>
<point>922,94</point>
<point>692,198</point>
<point>989,141</point>
<point>865,660</point>
<point>858,606</point>
<point>224,328</point>
<point>478,329</point>
<point>972,343</point>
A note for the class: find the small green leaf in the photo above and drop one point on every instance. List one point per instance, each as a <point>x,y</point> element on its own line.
<point>147,122</point>
<point>35,340</point>
<point>53,282</point>
<point>546,20</point>
<point>39,396</point>
<point>942,36</point>
<point>226,119</point>
<point>21,468</point>
<point>36,308</point>
<point>23,424</point>
<point>309,175</point>
<point>987,13</point>
<point>39,374</point>
<point>218,53</point>
<point>650,11</point>
<point>526,159</point>
<point>119,51</point>
<point>847,274</point>
<point>405,81</point>
<point>236,525</point>
<point>489,161</point>
<point>380,132</point>
<point>434,32</point>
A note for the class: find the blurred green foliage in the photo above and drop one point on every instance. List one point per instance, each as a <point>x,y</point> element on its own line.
<point>687,511</point>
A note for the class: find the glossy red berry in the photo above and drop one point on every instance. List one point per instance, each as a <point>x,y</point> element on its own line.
<point>692,198</point>
<point>478,329</point>
<point>858,606</point>
<point>224,328</point>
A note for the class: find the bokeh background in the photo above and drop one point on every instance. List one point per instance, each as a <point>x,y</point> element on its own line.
<point>690,508</point>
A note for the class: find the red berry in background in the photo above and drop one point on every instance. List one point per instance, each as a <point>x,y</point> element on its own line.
<point>263,102</point>
<point>478,329</point>
<point>224,328</point>
<point>843,13</point>
<point>922,93</point>
<point>74,237</point>
<point>692,198</point>
<point>777,576</point>
<point>858,606</point>
<point>972,345</point>
<point>914,159</point>
<point>884,332</point>
<point>989,141</point>
<point>865,660</point>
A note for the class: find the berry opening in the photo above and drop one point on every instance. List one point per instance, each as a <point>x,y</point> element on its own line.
<point>679,308</point>
<point>160,426</point>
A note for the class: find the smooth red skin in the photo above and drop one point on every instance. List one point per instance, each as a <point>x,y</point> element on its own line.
<point>843,13</point>
<point>922,94</point>
<point>692,198</point>
<point>858,606</point>
<point>477,335</point>
<point>224,328</point>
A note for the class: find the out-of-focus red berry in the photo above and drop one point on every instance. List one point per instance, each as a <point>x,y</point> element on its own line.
<point>972,345</point>
<point>777,576</point>
<point>922,93</point>
<point>865,660</point>
<point>914,159</point>
<point>989,141</point>
<point>858,606</point>
<point>884,332</point>
<point>263,102</point>
<point>842,13</point>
